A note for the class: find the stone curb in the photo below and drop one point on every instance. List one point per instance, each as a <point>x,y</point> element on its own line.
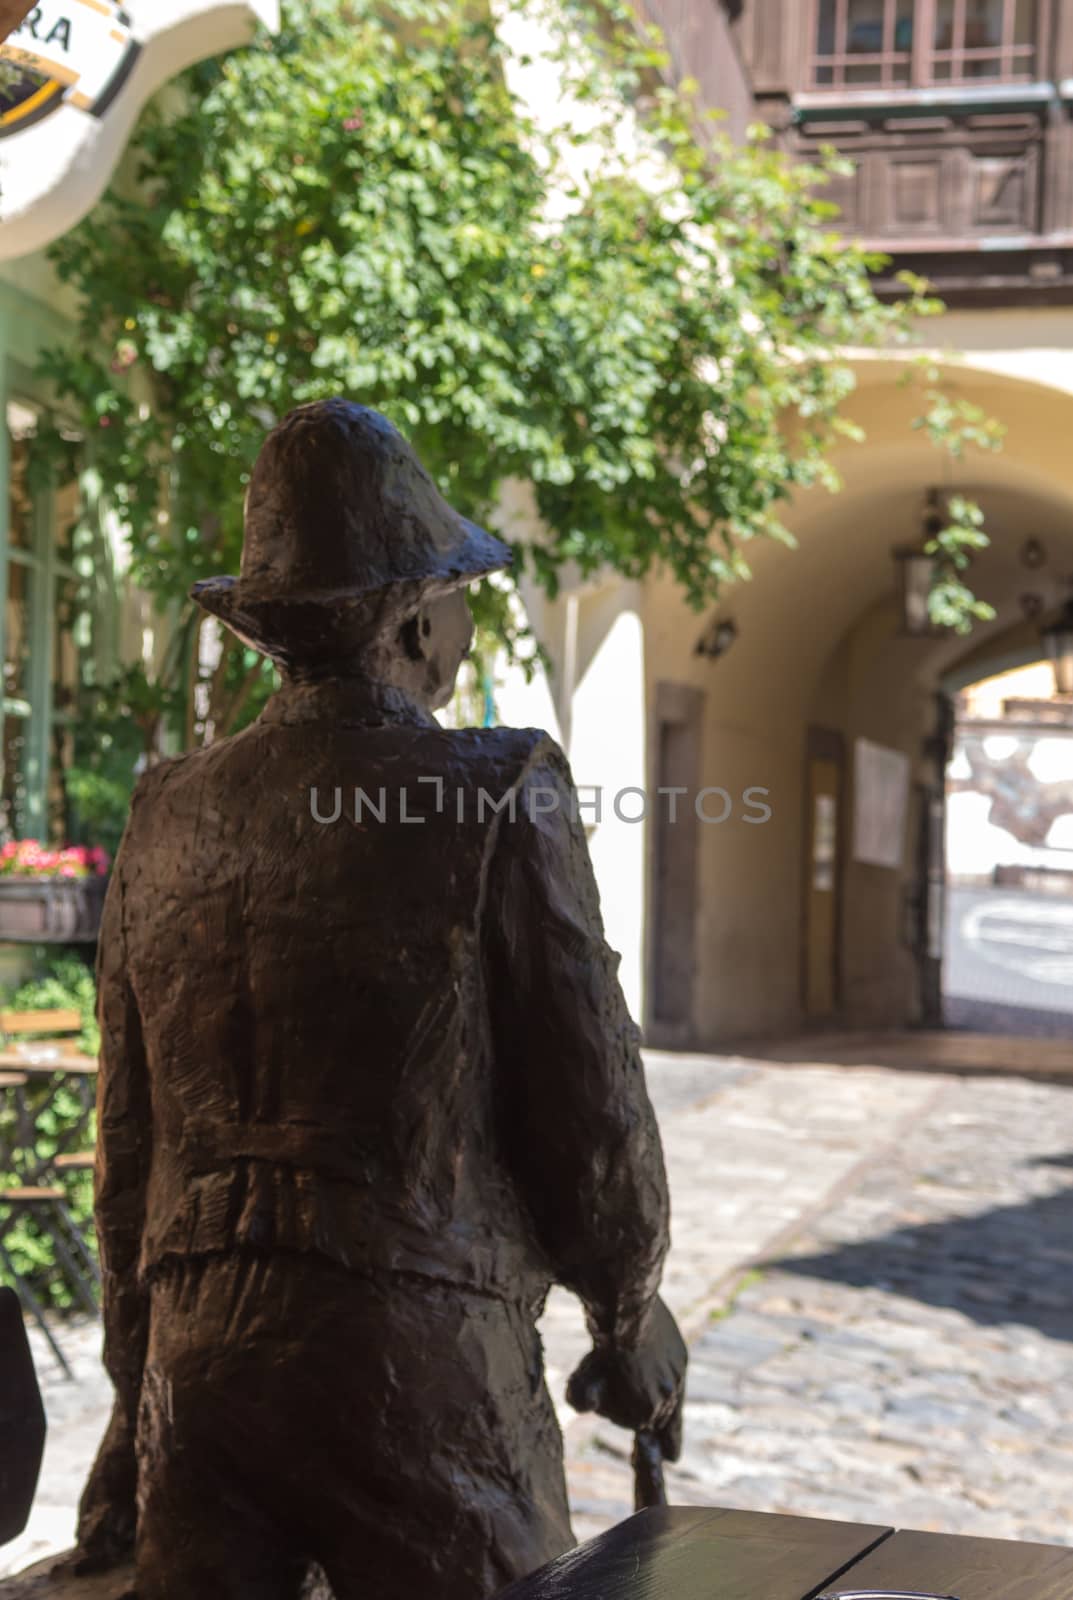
<point>955,1055</point>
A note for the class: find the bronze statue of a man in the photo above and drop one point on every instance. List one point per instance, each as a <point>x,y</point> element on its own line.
<point>368,1088</point>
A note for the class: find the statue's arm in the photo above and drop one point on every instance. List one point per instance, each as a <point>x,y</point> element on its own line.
<point>107,1510</point>
<point>577,1123</point>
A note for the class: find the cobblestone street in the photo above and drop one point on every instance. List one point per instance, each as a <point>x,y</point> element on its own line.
<point>908,1359</point>
<point>873,1268</point>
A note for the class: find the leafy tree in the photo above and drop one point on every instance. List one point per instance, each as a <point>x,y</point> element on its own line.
<point>360,205</point>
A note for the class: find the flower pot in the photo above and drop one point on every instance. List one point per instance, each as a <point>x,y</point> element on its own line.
<point>50,910</point>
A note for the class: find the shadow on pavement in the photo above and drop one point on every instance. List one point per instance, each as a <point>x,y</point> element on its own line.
<point>1010,1265</point>
<point>986,1016</point>
<point>950,1050</point>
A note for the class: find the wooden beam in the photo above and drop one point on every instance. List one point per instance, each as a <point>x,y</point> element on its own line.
<point>923,42</point>
<point>57,1020</point>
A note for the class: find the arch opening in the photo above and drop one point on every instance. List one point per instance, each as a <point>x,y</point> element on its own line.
<point>1008,940</point>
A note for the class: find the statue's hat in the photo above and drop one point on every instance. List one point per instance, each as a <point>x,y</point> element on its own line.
<point>344,531</point>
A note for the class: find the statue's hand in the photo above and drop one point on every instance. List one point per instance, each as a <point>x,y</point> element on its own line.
<point>107,1511</point>
<point>640,1386</point>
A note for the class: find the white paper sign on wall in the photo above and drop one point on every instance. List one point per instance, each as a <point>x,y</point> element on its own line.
<point>881,804</point>
<point>73,78</point>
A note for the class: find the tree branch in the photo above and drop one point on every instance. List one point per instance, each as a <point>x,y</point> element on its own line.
<point>193,664</point>
<point>218,682</point>
<point>241,697</point>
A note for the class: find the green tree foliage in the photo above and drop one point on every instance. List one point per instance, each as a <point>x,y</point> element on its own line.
<point>361,205</point>
<point>118,728</point>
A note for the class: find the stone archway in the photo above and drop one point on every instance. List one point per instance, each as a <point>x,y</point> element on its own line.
<point>819,652</point>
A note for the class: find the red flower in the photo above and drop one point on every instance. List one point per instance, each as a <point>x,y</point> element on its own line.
<point>27,858</point>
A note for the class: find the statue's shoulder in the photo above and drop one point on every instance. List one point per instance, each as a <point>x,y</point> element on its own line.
<point>246,748</point>
<point>169,773</point>
<point>156,777</point>
<point>507,751</point>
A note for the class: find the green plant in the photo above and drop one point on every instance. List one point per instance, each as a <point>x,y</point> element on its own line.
<point>951,602</point>
<point>62,981</point>
<point>741,1286</point>
<point>119,728</point>
<point>13,75</point>
<point>361,205</point>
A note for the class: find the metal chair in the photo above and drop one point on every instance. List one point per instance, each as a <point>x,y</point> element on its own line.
<point>47,1206</point>
<point>38,1197</point>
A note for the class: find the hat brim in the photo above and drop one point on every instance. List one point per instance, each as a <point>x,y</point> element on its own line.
<point>316,622</point>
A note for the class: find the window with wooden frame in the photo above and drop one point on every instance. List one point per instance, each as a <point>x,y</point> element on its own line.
<point>45,636</point>
<point>900,44</point>
<point>985,39</point>
<point>860,43</point>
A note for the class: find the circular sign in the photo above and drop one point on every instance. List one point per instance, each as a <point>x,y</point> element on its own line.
<point>25,96</point>
<point>73,52</point>
<point>73,78</point>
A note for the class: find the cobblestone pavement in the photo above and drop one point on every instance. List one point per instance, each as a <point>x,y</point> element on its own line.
<point>908,1359</point>
<point>903,1355</point>
<point>752,1150</point>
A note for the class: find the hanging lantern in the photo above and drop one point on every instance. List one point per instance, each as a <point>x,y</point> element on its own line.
<point>917,572</point>
<point>916,576</point>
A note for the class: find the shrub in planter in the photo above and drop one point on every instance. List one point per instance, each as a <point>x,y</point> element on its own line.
<point>51,894</point>
<point>73,862</point>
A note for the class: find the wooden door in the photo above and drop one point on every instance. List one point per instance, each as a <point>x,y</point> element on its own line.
<point>823,852</point>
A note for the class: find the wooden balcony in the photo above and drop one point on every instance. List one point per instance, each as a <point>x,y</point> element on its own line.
<point>963,167</point>
<point>971,188</point>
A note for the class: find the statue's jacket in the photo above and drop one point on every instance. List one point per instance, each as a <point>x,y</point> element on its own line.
<point>349,1007</point>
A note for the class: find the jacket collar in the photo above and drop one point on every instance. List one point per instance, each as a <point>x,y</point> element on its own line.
<point>345,702</point>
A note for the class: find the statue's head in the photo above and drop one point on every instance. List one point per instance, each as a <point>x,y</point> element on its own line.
<point>351,554</point>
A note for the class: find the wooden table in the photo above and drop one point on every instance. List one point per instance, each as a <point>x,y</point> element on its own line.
<point>695,1554</point>
<point>60,1067</point>
<point>41,1059</point>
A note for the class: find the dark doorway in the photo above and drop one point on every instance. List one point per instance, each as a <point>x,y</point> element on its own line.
<point>679,720</point>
